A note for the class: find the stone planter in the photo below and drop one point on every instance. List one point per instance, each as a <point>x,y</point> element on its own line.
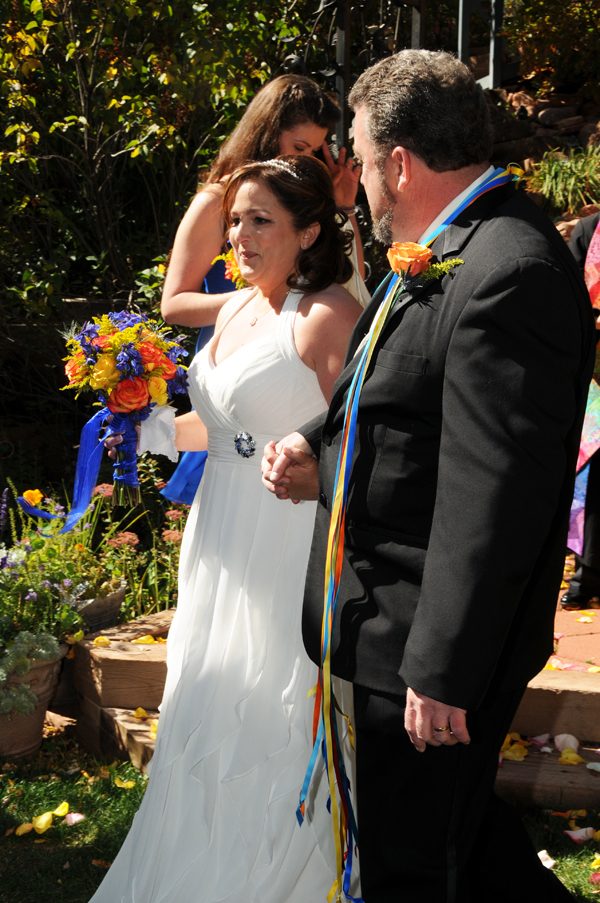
<point>103,612</point>
<point>21,735</point>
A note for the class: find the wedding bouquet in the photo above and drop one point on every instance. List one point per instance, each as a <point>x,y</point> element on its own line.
<point>133,366</point>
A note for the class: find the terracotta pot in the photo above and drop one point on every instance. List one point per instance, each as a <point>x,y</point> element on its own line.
<point>21,735</point>
<point>103,612</point>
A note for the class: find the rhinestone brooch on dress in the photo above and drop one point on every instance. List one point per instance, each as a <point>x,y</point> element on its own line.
<point>244,445</point>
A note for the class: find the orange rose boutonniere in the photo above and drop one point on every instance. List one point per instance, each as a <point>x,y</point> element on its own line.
<point>409,258</point>
<point>412,263</point>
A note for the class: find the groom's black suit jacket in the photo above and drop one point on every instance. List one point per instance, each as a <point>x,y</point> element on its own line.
<point>468,432</point>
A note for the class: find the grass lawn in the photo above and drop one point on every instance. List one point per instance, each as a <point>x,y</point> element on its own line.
<point>68,863</point>
<point>64,863</point>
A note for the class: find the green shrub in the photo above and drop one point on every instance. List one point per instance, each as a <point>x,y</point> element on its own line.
<point>558,42</point>
<point>567,179</point>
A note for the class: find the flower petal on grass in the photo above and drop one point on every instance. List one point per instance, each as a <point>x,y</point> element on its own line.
<point>42,822</point>
<point>582,835</point>
<point>595,879</point>
<point>561,741</point>
<point>62,809</point>
<point>596,863</point>
<point>24,829</point>
<point>101,863</point>
<point>546,859</point>
<point>125,785</point>
<point>72,818</point>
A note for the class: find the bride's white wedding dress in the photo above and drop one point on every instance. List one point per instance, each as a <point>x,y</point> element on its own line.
<point>235,733</point>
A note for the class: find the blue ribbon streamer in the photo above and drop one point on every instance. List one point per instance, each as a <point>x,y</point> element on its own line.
<point>89,458</point>
<point>86,474</point>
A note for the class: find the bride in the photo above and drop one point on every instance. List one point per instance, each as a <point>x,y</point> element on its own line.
<point>235,733</point>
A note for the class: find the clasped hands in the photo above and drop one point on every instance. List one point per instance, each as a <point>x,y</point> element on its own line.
<point>290,470</point>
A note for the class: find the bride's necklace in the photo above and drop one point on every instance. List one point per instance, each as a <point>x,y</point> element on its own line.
<point>256,317</point>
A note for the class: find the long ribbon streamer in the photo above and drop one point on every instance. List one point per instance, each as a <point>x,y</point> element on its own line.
<point>89,458</point>
<point>324,721</point>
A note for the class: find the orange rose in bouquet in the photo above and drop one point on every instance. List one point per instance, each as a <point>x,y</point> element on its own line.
<point>150,354</point>
<point>129,395</point>
<point>409,258</point>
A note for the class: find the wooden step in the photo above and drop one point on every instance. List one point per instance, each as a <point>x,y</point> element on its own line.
<point>125,674</point>
<point>541,781</point>
<point>561,702</point>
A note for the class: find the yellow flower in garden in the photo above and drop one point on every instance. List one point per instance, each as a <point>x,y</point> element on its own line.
<point>33,497</point>
<point>105,374</point>
<point>157,387</point>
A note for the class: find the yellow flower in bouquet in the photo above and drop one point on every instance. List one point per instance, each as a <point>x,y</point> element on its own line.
<point>105,374</point>
<point>157,387</point>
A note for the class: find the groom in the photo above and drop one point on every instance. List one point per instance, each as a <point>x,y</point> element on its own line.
<point>466,442</point>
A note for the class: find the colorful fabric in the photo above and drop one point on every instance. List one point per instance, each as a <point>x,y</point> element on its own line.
<point>592,268</point>
<point>577,518</point>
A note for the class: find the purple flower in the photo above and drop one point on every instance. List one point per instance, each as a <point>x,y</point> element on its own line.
<point>46,584</point>
<point>31,595</point>
<point>85,526</point>
<point>177,385</point>
<point>121,319</point>
<point>89,332</point>
<point>59,510</point>
<point>129,360</point>
<point>4,561</point>
<point>67,582</point>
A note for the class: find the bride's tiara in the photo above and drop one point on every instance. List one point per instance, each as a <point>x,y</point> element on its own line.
<point>281,164</point>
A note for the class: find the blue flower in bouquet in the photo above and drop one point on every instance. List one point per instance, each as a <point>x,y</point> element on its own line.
<point>129,360</point>
<point>88,332</point>
<point>175,352</point>
<point>178,385</point>
<point>123,319</point>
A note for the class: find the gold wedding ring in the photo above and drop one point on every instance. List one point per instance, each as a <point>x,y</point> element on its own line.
<point>440,730</point>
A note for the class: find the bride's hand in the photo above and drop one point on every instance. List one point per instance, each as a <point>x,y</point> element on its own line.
<point>289,469</point>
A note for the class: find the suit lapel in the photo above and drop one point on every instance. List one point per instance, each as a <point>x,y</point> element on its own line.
<point>448,244</point>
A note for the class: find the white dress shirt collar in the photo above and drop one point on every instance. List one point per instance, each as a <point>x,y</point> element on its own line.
<point>455,203</point>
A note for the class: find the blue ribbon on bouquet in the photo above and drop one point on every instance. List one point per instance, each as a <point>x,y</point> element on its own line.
<point>89,457</point>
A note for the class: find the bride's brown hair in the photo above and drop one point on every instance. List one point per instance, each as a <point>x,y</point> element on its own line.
<point>302,186</point>
<point>282,104</point>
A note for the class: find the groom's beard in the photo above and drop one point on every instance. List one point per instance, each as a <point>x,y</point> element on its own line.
<point>382,227</point>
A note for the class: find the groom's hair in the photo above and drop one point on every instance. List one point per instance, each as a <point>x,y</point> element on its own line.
<point>429,103</point>
<point>302,185</point>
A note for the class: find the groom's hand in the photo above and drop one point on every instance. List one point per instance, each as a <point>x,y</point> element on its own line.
<point>289,469</point>
<point>423,715</point>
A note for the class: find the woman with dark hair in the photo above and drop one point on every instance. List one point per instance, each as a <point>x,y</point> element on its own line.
<point>289,115</point>
<point>234,739</point>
